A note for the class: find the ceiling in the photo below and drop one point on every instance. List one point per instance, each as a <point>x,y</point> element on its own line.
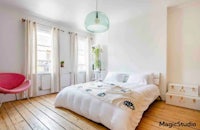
<point>73,12</point>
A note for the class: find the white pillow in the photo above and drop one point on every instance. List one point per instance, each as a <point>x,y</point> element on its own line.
<point>116,77</point>
<point>122,77</point>
<point>140,79</point>
<point>111,77</point>
<point>150,78</point>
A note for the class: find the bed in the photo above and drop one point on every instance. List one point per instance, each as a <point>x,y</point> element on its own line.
<point>118,102</point>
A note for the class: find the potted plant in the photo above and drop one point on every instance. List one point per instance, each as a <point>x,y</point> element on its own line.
<point>62,64</point>
<point>97,62</point>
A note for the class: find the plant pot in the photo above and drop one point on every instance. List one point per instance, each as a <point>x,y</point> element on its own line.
<point>62,64</point>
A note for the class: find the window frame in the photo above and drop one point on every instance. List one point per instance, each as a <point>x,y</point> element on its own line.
<point>84,41</point>
<point>46,31</point>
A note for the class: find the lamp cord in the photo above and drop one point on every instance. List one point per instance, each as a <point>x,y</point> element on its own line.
<point>96,5</point>
<point>96,10</point>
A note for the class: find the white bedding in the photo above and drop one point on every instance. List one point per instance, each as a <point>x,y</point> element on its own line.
<point>112,116</point>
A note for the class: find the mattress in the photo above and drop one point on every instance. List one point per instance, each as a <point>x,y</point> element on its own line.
<point>108,114</point>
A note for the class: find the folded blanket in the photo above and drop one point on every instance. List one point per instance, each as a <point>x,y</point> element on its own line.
<point>124,98</point>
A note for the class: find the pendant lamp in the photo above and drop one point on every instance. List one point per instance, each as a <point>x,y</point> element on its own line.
<point>96,21</point>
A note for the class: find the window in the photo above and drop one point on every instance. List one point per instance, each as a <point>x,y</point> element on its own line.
<point>82,54</point>
<point>44,50</point>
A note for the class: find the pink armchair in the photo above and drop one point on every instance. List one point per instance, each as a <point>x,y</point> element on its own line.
<point>12,83</point>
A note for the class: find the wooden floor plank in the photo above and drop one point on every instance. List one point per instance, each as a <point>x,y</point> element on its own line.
<point>42,116</point>
<point>159,111</point>
<point>180,110</point>
<point>71,116</point>
<point>166,114</point>
<point>151,125</point>
<point>176,117</point>
<point>54,116</point>
<point>6,118</point>
<point>49,98</point>
<point>152,120</point>
<point>40,113</point>
<point>29,117</point>
<point>3,125</point>
<point>17,119</point>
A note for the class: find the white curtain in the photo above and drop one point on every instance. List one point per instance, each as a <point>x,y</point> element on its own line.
<point>89,58</point>
<point>74,57</point>
<point>31,56</point>
<point>55,74</point>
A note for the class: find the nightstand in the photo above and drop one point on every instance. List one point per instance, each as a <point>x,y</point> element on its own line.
<point>183,95</point>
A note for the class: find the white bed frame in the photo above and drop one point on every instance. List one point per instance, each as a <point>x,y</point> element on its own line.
<point>156,79</point>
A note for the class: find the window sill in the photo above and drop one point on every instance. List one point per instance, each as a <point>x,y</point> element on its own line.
<point>44,73</point>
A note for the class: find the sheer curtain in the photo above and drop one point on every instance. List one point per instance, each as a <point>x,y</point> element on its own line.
<point>89,58</point>
<point>74,57</point>
<point>31,56</point>
<point>55,74</point>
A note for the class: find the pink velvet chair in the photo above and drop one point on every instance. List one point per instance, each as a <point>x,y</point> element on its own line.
<point>12,83</point>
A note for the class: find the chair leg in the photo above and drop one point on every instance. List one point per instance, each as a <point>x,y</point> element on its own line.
<point>26,95</point>
<point>15,96</point>
<point>1,100</point>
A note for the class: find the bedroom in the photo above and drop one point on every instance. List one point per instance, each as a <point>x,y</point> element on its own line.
<point>146,36</point>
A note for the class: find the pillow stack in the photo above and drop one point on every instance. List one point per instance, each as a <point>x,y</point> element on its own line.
<point>121,78</point>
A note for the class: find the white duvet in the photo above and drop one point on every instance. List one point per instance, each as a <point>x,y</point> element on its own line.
<point>111,116</point>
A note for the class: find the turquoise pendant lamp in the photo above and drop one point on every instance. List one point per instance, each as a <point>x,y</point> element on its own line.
<point>96,22</point>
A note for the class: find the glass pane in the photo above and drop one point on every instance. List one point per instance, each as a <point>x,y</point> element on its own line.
<point>81,60</point>
<point>44,51</point>
<point>81,68</point>
<point>43,66</point>
<point>44,37</point>
<point>82,54</point>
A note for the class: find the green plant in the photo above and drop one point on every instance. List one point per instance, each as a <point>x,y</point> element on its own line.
<point>97,63</point>
<point>62,64</point>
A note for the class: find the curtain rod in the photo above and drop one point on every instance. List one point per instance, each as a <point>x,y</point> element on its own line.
<point>72,32</point>
<point>24,20</point>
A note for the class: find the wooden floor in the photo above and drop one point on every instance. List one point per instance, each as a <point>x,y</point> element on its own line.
<point>40,114</point>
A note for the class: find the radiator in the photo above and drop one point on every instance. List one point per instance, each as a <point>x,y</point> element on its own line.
<point>44,81</point>
<point>65,79</point>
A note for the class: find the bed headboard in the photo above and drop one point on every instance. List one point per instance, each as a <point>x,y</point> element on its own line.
<point>153,77</point>
<point>156,78</point>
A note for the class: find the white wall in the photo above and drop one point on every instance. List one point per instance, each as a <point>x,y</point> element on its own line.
<point>184,43</point>
<point>12,43</point>
<point>12,39</point>
<point>138,44</point>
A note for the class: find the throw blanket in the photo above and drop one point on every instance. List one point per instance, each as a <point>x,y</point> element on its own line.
<point>116,95</point>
